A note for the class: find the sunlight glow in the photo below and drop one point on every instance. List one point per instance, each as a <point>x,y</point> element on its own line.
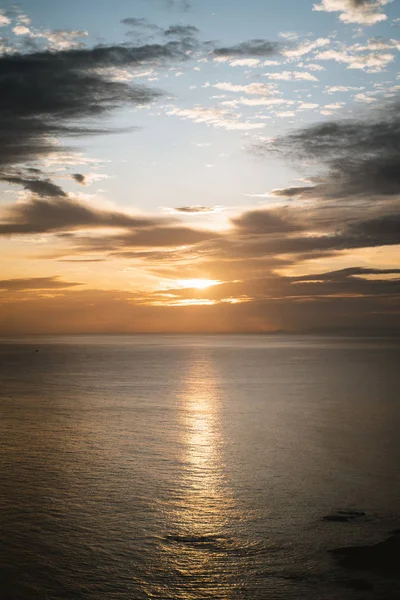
<point>200,284</point>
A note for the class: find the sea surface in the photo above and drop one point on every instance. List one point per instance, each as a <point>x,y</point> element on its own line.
<point>196,467</point>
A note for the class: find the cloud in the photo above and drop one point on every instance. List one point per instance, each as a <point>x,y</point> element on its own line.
<point>216,117</point>
<point>45,94</point>
<point>179,5</point>
<point>305,47</point>
<point>42,187</point>
<point>135,22</point>
<point>337,88</point>
<point>259,101</point>
<point>140,23</point>
<point>4,20</point>
<point>363,12</point>
<point>266,222</point>
<point>384,228</point>
<point>79,178</point>
<point>274,238</point>
<point>292,191</point>
<point>268,233</point>
<point>258,89</point>
<point>159,235</point>
<point>307,106</point>
<point>57,39</point>
<point>360,158</point>
<point>40,215</point>
<point>64,40</point>
<point>251,48</point>
<point>196,208</point>
<point>372,62</point>
<point>181,31</point>
<point>182,5</point>
<point>336,299</point>
<point>291,76</point>
<point>242,62</point>
<point>341,274</point>
<point>35,283</point>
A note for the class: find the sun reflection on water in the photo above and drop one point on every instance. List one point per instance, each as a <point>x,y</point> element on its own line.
<point>206,492</point>
<point>198,547</point>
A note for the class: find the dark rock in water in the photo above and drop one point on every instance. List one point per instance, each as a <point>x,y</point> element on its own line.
<point>351,513</point>
<point>381,558</point>
<point>359,585</point>
<point>344,516</point>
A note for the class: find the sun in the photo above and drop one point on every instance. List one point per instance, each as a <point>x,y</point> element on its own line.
<point>199,284</point>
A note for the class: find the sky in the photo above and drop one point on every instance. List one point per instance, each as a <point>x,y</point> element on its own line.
<point>199,166</point>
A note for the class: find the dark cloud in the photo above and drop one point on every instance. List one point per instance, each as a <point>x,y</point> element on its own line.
<point>382,229</point>
<point>47,93</point>
<point>156,236</point>
<point>360,158</point>
<point>35,283</point>
<point>140,23</point>
<point>181,5</point>
<point>262,240</point>
<point>134,22</point>
<point>293,191</point>
<point>40,215</point>
<point>368,233</point>
<point>276,221</point>
<point>341,274</point>
<point>42,187</point>
<point>181,31</point>
<point>140,30</point>
<point>167,236</point>
<point>194,209</point>
<point>259,240</point>
<point>250,48</point>
<point>79,178</point>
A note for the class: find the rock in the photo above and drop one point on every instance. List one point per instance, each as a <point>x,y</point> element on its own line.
<point>352,513</point>
<point>381,558</point>
<point>359,585</point>
<point>344,515</point>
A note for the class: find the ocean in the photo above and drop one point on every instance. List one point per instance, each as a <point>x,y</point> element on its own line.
<point>197,466</point>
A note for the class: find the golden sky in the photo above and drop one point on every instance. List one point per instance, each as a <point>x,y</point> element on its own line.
<point>174,170</point>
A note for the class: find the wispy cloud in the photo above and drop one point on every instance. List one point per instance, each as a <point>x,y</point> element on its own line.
<point>35,283</point>
<point>196,209</point>
<point>372,62</point>
<point>258,89</point>
<point>291,76</point>
<point>306,47</point>
<point>180,5</point>
<point>216,117</point>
